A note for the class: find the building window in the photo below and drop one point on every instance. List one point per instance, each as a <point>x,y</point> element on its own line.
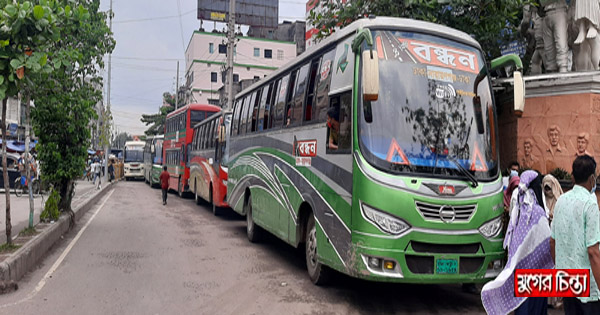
<point>256,78</point>
<point>256,52</point>
<point>268,53</point>
<point>279,54</point>
<point>222,49</point>
<point>213,77</point>
<point>211,48</point>
<point>213,101</point>
<point>236,78</point>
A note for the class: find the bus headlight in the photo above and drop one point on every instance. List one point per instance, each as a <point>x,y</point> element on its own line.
<point>385,222</point>
<point>491,228</point>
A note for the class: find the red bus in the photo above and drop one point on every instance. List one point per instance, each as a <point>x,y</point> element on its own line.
<point>208,171</point>
<point>178,139</point>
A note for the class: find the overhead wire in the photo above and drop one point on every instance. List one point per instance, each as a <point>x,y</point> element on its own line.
<point>155,18</point>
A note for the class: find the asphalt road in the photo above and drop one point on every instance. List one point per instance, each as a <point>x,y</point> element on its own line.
<point>132,255</point>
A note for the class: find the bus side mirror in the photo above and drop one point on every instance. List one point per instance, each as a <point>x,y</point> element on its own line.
<point>152,149</point>
<point>519,95</point>
<point>370,76</point>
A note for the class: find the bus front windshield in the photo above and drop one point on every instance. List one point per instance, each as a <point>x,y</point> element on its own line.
<point>134,155</point>
<point>434,115</point>
<point>157,155</point>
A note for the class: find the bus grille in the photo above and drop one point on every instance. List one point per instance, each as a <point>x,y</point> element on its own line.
<point>429,248</point>
<point>432,212</point>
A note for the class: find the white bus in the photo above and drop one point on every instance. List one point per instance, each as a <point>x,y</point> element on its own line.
<point>134,159</point>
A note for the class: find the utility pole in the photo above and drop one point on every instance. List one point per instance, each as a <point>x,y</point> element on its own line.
<point>177,87</point>
<point>230,49</point>
<point>107,116</point>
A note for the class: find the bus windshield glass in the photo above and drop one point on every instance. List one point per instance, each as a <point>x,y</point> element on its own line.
<point>157,155</point>
<point>434,115</point>
<point>134,155</point>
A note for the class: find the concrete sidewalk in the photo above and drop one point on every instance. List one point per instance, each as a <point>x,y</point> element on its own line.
<point>19,207</point>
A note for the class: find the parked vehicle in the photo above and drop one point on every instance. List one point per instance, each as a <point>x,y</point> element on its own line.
<point>12,166</point>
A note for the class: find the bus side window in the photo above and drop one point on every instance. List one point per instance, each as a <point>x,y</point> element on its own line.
<point>249,109</point>
<point>339,124</point>
<point>299,95</point>
<point>278,110</point>
<point>254,111</point>
<point>275,95</point>
<point>244,116</point>
<point>319,111</point>
<point>236,118</point>
<point>310,93</point>
<point>289,98</point>
<point>264,104</point>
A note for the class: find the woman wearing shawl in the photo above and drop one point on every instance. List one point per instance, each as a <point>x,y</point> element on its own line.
<point>552,191</point>
<point>528,243</point>
<point>512,185</point>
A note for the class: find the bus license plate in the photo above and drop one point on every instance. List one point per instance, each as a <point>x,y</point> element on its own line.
<point>447,266</point>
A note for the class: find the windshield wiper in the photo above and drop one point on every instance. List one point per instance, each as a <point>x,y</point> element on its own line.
<point>474,182</point>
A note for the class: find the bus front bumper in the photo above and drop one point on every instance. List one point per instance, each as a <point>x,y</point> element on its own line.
<point>422,257</point>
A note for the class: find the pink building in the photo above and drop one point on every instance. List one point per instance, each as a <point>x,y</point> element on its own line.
<point>206,60</point>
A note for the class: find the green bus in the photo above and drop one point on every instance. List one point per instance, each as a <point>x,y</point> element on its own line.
<point>153,154</point>
<point>377,151</point>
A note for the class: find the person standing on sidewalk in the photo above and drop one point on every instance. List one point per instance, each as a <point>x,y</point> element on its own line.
<point>164,183</point>
<point>96,169</point>
<point>576,234</point>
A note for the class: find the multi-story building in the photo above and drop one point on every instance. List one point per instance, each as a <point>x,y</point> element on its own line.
<point>206,59</point>
<point>286,31</point>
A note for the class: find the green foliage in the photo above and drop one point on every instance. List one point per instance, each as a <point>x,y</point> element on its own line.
<point>8,248</point>
<point>29,231</point>
<point>51,212</point>
<point>486,20</point>
<point>157,121</point>
<point>560,174</point>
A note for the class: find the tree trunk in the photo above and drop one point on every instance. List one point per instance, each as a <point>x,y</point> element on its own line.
<point>67,187</point>
<point>27,166</point>
<point>5,173</point>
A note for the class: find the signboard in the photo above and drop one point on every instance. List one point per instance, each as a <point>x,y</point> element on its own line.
<point>514,47</point>
<point>12,129</point>
<point>259,13</point>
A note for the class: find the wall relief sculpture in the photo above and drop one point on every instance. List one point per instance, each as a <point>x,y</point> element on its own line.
<point>554,27</point>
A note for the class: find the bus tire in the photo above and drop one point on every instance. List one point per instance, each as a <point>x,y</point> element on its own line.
<point>253,231</point>
<point>317,272</point>
<point>215,209</point>
<point>196,199</point>
<point>179,189</point>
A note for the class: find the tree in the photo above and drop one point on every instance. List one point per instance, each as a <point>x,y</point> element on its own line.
<point>26,30</point>
<point>157,121</point>
<point>491,22</point>
<point>65,99</point>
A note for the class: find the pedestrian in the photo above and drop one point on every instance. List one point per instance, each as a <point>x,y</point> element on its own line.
<point>111,171</point>
<point>527,241</point>
<point>552,191</point>
<point>164,183</point>
<point>576,234</point>
<point>96,169</point>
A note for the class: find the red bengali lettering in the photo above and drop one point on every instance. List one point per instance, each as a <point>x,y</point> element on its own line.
<point>552,283</point>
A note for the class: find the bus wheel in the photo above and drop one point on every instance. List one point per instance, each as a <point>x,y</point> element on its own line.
<point>179,189</point>
<point>196,199</point>
<point>252,230</point>
<point>318,273</point>
<point>215,209</point>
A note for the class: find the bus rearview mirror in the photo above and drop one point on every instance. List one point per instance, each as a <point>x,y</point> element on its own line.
<point>370,76</point>
<point>519,93</point>
<point>152,149</point>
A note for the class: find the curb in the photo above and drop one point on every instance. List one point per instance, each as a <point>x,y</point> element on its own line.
<point>27,257</point>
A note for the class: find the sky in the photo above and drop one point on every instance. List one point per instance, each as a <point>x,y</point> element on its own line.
<point>151,37</point>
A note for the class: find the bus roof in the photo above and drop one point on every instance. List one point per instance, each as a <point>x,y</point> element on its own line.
<point>204,107</point>
<point>401,24</point>
<point>135,143</point>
